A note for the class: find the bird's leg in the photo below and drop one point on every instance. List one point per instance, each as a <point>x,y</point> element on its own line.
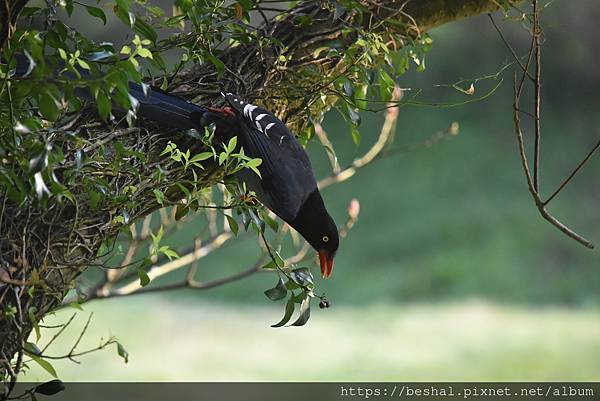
<point>248,198</point>
<point>225,111</point>
<point>244,194</point>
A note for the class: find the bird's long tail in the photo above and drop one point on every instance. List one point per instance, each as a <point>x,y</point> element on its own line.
<point>161,107</point>
<point>153,104</point>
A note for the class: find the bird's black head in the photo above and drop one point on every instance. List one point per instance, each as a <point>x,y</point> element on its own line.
<point>315,224</point>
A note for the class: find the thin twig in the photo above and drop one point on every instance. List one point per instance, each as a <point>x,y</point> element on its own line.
<point>509,47</point>
<point>538,96</point>
<point>374,151</point>
<point>533,180</point>
<point>573,173</point>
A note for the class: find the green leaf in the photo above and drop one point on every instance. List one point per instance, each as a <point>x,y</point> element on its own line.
<point>31,313</point>
<point>123,13</point>
<point>354,115</point>
<point>144,279</point>
<point>95,199</point>
<point>219,65</point>
<point>100,55</point>
<point>96,12</point>
<point>124,5</point>
<point>290,285</point>
<point>246,219</point>
<point>122,352</point>
<point>200,157</point>
<point>48,106</point>
<point>39,162</point>
<point>183,188</point>
<point>83,64</point>
<point>278,292</point>
<point>62,53</point>
<point>348,88</point>
<point>232,144</point>
<point>158,237</point>
<point>159,62</point>
<point>289,311</point>
<point>253,164</point>
<point>76,305</point>
<point>355,135</point>
<point>222,158</point>
<point>279,260</point>
<point>50,388</point>
<point>300,297</point>
<point>386,84</point>
<point>169,148</point>
<point>168,252</point>
<point>246,4</point>
<point>145,29</point>
<point>32,348</point>
<point>270,221</point>
<point>44,364</point>
<point>304,312</point>
<point>233,225</point>
<point>68,7</point>
<point>270,265</point>
<point>181,211</point>
<point>103,104</point>
<point>302,276</point>
<point>143,52</point>
<point>257,222</point>
<point>160,197</point>
<point>319,50</point>
<point>29,11</point>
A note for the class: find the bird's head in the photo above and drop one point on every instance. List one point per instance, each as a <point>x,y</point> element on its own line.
<point>315,224</point>
<point>326,242</point>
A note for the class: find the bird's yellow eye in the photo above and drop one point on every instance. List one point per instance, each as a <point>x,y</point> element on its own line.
<point>325,238</point>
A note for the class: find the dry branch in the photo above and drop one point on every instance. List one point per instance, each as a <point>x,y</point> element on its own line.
<point>535,78</point>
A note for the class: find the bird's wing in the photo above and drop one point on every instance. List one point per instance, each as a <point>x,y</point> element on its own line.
<point>287,177</point>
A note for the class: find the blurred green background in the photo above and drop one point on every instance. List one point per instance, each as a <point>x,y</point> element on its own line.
<point>450,272</point>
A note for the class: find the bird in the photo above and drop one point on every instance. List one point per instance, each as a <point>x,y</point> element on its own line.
<point>286,185</point>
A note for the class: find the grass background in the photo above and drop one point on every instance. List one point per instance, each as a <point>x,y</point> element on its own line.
<point>471,340</point>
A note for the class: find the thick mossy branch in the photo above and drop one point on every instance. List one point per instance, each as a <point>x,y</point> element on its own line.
<point>46,248</point>
<point>431,13</point>
<point>293,88</point>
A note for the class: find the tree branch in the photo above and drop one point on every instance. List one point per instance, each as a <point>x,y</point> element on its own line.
<point>532,179</point>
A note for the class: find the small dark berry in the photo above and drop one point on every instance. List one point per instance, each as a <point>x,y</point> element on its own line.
<point>324,303</point>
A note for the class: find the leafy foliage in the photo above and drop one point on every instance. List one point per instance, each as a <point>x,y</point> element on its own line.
<point>65,66</point>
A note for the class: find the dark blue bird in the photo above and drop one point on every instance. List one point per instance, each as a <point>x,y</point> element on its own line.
<point>287,184</point>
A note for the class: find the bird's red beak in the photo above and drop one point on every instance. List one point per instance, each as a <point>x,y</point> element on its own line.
<point>326,261</point>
